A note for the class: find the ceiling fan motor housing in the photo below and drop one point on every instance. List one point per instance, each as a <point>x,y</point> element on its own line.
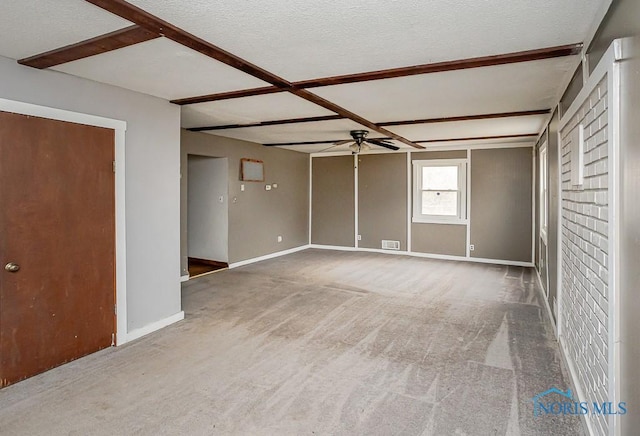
<point>359,135</point>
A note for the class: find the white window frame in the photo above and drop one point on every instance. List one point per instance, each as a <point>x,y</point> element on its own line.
<point>418,216</point>
<point>544,192</point>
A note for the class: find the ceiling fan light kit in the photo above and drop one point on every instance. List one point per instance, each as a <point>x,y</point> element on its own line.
<point>361,143</point>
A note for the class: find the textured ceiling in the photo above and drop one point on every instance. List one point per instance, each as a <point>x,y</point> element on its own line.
<point>473,128</point>
<point>316,131</point>
<point>161,68</point>
<point>249,110</point>
<point>504,88</point>
<point>29,27</point>
<point>308,40</point>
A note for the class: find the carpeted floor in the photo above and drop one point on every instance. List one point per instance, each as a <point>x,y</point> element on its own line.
<point>319,342</point>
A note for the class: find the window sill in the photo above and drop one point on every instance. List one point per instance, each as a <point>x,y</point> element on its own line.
<point>455,221</point>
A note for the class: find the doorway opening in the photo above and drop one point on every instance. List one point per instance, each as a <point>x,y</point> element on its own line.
<point>207,214</point>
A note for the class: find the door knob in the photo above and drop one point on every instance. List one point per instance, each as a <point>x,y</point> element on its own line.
<point>12,267</point>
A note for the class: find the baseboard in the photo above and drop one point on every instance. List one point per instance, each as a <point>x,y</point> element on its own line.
<point>208,262</point>
<point>426,255</point>
<point>184,278</point>
<point>575,385</point>
<point>150,328</point>
<point>267,256</point>
<point>333,247</point>
<point>546,304</point>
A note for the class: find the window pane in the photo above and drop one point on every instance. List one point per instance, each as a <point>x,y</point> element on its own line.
<point>440,178</point>
<point>439,203</point>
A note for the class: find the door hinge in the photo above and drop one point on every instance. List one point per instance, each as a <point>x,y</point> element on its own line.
<point>114,166</point>
<point>115,309</point>
<point>113,339</point>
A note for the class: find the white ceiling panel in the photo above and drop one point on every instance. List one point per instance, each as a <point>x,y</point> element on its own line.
<point>162,68</point>
<point>304,40</point>
<point>473,128</point>
<point>314,131</point>
<point>31,27</point>
<point>505,88</point>
<point>249,110</point>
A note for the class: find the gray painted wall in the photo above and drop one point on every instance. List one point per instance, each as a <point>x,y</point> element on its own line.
<point>256,216</point>
<point>382,199</point>
<point>152,177</point>
<point>501,184</point>
<point>207,216</point>
<point>333,201</point>
<point>622,19</point>
<point>426,155</point>
<point>449,239</point>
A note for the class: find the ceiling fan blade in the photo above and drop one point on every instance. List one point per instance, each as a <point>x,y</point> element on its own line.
<point>343,142</point>
<point>335,144</point>
<point>383,144</point>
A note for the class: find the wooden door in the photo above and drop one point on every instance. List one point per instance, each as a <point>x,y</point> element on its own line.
<point>57,223</point>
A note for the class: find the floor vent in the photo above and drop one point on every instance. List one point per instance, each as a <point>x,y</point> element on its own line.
<point>390,245</point>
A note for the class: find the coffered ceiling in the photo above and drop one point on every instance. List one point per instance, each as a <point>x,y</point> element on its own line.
<point>300,75</point>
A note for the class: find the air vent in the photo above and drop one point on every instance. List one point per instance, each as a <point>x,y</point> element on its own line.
<point>390,245</point>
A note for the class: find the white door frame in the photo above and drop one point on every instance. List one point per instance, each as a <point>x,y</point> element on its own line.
<point>120,128</point>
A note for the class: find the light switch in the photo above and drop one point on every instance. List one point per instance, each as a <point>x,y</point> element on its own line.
<point>267,187</point>
<point>275,186</point>
<point>242,187</point>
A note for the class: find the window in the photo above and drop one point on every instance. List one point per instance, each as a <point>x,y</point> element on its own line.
<point>439,193</point>
<point>544,192</point>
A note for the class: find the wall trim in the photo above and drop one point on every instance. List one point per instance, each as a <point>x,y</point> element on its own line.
<point>426,255</point>
<point>184,278</point>
<point>310,196</point>
<point>615,208</point>
<point>409,200</point>
<point>577,388</point>
<point>154,326</point>
<point>268,256</point>
<point>468,201</point>
<point>356,201</point>
<point>120,128</point>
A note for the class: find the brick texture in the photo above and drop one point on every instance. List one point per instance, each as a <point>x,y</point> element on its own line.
<point>585,257</point>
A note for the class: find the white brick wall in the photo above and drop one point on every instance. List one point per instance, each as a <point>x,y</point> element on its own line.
<point>585,262</point>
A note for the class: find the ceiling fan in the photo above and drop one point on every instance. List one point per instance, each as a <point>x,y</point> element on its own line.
<point>361,143</point>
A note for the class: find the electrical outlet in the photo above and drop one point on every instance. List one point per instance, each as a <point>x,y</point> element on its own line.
<point>279,238</point>
<point>359,237</point>
<point>274,186</point>
<point>242,187</point>
<point>267,187</point>
<point>472,247</point>
<point>221,199</point>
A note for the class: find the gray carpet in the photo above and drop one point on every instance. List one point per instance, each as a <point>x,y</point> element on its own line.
<point>319,342</point>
